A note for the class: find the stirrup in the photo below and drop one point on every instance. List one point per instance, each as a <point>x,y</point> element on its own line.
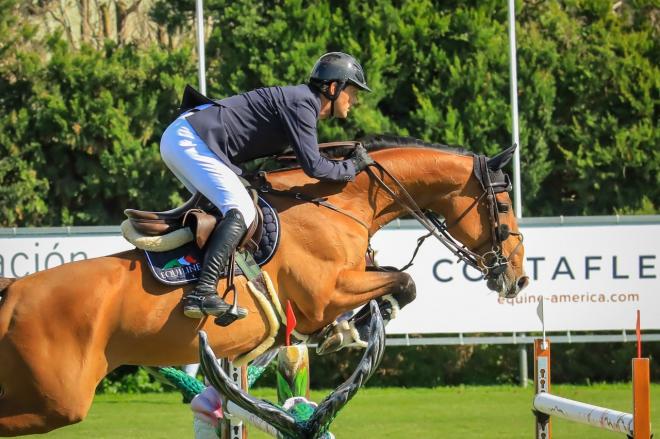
<point>232,314</point>
<point>229,317</point>
<point>235,312</point>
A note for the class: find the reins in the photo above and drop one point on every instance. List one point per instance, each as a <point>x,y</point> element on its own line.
<point>491,263</point>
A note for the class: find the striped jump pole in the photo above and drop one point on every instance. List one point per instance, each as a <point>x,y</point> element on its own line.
<point>234,428</point>
<point>542,385</point>
<point>636,425</point>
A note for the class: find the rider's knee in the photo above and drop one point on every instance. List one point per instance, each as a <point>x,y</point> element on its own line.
<point>249,214</point>
<point>245,207</point>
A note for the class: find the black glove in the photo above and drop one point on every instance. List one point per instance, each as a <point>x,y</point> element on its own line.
<point>360,158</point>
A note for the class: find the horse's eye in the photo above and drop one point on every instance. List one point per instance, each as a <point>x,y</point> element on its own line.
<point>502,207</point>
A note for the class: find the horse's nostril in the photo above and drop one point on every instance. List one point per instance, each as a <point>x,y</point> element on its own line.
<point>523,282</point>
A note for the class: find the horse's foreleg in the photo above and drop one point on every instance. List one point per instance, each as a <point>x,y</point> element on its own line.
<point>356,288</point>
<point>392,291</point>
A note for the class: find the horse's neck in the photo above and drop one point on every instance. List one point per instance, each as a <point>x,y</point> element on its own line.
<point>429,176</point>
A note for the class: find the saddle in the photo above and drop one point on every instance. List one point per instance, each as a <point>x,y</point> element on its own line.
<point>200,215</point>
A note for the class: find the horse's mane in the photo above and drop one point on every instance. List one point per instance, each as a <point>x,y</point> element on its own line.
<point>377,142</point>
<point>373,142</point>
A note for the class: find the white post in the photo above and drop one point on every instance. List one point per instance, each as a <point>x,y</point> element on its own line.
<point>522,360</point>
<point>542,377</point>
<point>200,45</point>
<point>513,68</point>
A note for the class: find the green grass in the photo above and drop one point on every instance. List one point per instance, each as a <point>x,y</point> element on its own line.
<point>451,412</point>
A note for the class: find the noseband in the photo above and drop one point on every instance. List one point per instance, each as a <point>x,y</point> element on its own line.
<point>492,262</point>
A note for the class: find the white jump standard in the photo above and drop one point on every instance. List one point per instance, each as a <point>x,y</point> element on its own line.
<point>545,405</point>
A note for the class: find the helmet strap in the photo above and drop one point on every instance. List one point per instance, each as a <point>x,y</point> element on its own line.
<point>332,97</point>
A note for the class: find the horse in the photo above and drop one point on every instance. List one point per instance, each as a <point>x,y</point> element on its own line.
<point>64,329</point>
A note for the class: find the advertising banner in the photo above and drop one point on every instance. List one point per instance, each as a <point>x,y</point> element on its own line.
<point>590,277</point>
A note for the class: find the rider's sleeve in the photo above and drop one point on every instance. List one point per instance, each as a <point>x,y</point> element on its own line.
<point>301,125</point>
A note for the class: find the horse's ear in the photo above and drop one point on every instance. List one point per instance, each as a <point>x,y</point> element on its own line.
<point>501,159</point>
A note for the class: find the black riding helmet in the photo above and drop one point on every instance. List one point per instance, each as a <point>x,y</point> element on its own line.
<point>337,67</point>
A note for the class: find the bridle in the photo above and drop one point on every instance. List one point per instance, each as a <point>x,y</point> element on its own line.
<point>492,262</point>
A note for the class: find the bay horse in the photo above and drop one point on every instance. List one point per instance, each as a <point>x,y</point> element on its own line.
<point>62,330</point>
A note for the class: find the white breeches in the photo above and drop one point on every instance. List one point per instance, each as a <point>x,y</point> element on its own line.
<point>199,169</point>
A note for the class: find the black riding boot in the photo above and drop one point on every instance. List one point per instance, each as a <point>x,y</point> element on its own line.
<point>204,299</point>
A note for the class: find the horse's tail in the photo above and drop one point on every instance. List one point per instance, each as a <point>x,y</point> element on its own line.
<point>5,282</point>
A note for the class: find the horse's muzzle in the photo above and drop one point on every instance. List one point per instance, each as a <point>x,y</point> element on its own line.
<point>506,288</point>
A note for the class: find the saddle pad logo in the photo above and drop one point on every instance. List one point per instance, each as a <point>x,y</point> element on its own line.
<point>178,266</point>
<point>184,264</point>
<point>185,261</point>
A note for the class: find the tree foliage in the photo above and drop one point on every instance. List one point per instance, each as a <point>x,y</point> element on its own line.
<point>80,132</point>
<point>80,128</point>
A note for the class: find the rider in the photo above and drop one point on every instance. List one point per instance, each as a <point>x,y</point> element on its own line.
<point>202,146</point>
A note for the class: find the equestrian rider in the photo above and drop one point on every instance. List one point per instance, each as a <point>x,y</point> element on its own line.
<point>203,145</point>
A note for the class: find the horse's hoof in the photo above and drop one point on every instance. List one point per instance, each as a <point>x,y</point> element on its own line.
<point>339,336</point>
<point>331,344</point>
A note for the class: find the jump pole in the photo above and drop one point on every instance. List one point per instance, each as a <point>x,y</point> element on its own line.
<point>636,425</point>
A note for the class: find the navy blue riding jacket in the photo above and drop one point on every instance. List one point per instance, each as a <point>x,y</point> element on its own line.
<point>264,122</point>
